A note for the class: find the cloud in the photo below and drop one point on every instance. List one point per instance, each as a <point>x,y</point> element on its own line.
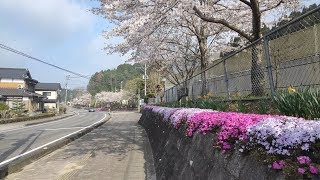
<point>49,20</point>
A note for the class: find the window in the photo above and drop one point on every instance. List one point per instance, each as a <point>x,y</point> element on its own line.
<point>46,94</point>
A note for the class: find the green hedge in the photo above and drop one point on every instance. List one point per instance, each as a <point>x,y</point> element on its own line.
<point>20,119</point>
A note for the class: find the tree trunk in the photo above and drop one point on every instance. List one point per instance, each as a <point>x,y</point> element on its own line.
<point>204,61</point>
<point>257,73</point>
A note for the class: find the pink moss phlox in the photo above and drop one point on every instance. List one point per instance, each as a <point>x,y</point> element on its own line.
<point>282,134</point>
<point>301,170</point>
<point>231,125</point>
<point>180,116</point>
<point>168,112</point>
<point>313,169</point>
<point>304,160</point>
<point>278,165</point>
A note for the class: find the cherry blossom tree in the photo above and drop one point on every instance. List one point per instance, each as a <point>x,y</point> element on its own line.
<point>145,25</point>
<point>109,97</point>
<point>245,17</point>
<point>156,32</point>
<point>83,100</point>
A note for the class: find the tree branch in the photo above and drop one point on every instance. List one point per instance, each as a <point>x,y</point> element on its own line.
<point>222,22</point>
<point>246,2</point>
<point>267,9</point>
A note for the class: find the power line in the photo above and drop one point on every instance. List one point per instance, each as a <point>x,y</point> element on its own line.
<point>2,46</point>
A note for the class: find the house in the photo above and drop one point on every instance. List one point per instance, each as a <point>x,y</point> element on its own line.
<point>51,93</point>
<point>17,85</point>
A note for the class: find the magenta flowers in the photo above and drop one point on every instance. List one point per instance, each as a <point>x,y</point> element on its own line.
<point>304,160</point>
<point>277,135</point>
<point>278,165</point>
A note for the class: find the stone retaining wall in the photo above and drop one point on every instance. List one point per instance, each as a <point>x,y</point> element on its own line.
<point>177,156</point>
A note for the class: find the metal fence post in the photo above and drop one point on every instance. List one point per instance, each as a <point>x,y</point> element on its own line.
<point>226,78</point>
<point>172,96</point>
<point>269,65</point>
<point>192,91</point>
<point>166,94</point>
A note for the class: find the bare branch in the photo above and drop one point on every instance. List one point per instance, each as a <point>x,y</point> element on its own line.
<point>223,22</point>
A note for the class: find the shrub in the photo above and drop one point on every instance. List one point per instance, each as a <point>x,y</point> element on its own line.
<point>25,118</point>
<point>62,109</point>
<point>3,106</point>
<point>300,103</point>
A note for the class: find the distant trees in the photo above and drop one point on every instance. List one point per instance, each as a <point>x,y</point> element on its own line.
<point>112,80</point>
<point>84,100</point>
<point>109,97</point>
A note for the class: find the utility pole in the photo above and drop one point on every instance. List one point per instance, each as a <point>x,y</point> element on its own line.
<point>145,80</point>
<point>68,77</point>
<point>66,95</point>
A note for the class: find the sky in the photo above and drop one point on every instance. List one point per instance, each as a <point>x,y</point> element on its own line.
<point>61,32</point>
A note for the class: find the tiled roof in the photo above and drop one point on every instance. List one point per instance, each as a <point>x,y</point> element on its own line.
<point>17,93</point>
<point>48,86</point>
<point>15,73</point>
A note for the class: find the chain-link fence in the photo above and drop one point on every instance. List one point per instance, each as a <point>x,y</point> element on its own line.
<point>285,57</point>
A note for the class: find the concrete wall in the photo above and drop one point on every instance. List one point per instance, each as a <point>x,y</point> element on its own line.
<point>177,156</point>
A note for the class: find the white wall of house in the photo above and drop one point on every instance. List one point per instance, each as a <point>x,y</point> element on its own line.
<point>53,94</point>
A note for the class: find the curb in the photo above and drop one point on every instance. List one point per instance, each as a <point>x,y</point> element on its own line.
<point>58,118</point>
<point>16,163</point>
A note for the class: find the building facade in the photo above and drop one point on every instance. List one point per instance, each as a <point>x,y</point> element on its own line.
<point>17,86</point>
<point>51,94</point>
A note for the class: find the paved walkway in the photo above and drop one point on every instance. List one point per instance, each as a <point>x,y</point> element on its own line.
<point>119,149</point>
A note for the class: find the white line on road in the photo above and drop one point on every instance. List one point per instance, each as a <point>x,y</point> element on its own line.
<point>44,146</point>
<point>63,128</point>
<point>39,124</point>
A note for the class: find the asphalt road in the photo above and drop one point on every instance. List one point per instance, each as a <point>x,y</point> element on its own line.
<point>118,149</point>
<point>16,141</point>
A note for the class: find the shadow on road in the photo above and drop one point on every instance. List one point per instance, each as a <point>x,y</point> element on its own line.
<point>118,138</point>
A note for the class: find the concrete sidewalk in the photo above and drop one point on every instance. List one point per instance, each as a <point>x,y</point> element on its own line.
<point>119,149</point>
